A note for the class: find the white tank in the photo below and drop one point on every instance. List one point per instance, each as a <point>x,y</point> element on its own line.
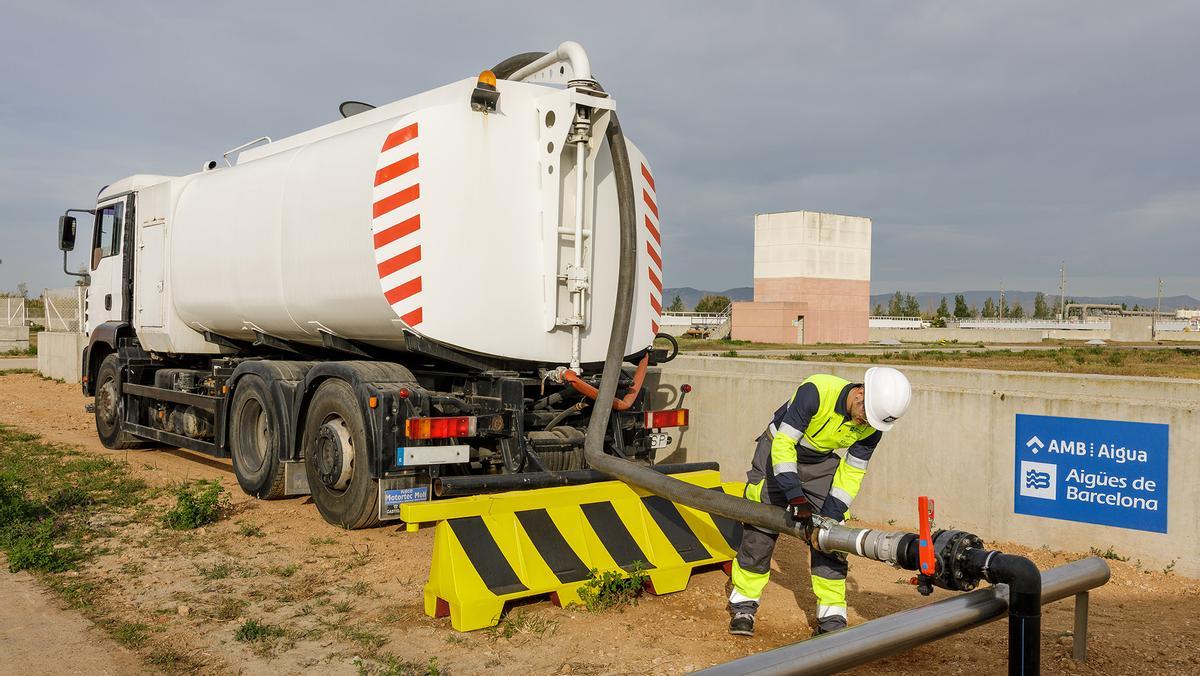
<point>422,215</point>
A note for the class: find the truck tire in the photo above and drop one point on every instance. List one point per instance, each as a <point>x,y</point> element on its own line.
<point>254,439</point>
<point>336,457</point>
<point>110,409</point>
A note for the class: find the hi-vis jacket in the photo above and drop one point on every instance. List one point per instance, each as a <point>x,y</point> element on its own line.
<point>807,430</point>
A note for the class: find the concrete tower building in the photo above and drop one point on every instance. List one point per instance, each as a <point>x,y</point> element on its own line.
<point>812,280</point>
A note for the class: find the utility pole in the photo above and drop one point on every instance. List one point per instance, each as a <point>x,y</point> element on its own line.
<point>1062,292</point>
<point>1157,312</point>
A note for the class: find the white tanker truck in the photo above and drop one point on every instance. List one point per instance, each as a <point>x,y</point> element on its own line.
<point>419,291</point>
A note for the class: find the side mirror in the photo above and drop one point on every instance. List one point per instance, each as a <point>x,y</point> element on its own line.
<point>66,233</point>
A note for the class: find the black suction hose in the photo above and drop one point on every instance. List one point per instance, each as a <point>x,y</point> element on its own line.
<point>713,502</point>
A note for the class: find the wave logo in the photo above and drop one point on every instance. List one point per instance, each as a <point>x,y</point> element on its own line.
<point>1039,480</point>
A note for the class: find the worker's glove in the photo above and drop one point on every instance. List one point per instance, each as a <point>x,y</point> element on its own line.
<point>801,512</point>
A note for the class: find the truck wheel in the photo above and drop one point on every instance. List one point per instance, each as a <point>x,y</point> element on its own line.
<point>336,458</point>
<point>110,411</point>
<point>254,438</point>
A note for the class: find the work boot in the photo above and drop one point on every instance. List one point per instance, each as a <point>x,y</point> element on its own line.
<point>830,624</point>
<point>742,624</point>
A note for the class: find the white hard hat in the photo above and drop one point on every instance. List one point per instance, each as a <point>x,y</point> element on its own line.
<point>888,394</point>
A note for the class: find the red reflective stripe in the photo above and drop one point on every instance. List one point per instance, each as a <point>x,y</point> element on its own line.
<point>398,200</point>
<point>650,203</point>
<point>655,281</point>
<point>405,227</point>
<point>653,255</point>
<point>396,169</point>
<point>654,326</point>
<point>400,262</point>
<point>653,231</point>
<point>412,318</point>
<point>655,304</point>
<point>403,291</point>
<point>400,136</point>
<point>648,177</point>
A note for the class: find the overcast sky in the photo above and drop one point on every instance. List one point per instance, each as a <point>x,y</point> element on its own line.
<point>987,140</point>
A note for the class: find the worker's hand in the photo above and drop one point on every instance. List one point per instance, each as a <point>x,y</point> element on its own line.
<point>801,512</point>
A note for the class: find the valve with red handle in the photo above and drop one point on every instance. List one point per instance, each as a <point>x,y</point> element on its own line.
<point>926,557</point>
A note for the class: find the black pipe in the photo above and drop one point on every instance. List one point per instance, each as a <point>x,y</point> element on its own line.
<point>1024,582</point>
<point>494,483</point>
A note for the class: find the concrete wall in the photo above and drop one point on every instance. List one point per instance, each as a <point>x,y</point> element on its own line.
<point>60,354</point>
<point>767,322</point>
<point>956,444</point>
<point>984,335</point>
<point>812,244</point>
<point>14,338</point>
<point>1131,329</point>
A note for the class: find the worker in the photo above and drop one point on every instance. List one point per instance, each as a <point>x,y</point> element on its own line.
<point>795,467</point>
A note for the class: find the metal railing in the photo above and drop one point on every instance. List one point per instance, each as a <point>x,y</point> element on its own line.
<point>907,629</point>
<point>63,309</point>
<point>13,311</point>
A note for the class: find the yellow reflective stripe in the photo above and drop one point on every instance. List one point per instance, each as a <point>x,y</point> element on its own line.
<point>847,481</point>
<point>754,491</point>
<point>750,585</point>
<point>783,449</point>
<point>828,592</point>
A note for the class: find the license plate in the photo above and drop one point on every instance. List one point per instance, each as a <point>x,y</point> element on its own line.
<point>659,440</point>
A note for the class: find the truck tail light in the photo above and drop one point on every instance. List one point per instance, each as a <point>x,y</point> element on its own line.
<point>440,428</point>
<point>675,418</point>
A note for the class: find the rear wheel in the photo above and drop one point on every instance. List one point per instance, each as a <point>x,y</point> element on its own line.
<point>336,458</point>
<point>110,411</point>
<point>254,439</point>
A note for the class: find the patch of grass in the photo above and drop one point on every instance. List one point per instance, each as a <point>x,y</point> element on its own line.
<point>360,588</point>
<point>1108,554</point>
<point>16,372</point>
<point>130,634</point>
<point>284,571</point>
<point>359,558</point>
<point>197,504</point>
<point>342,607</point>
<point>455,639</point>
<point>168,660</point>
<point>388,664</point>
<point>1170,567</point>
<point>48,496</point>
<point>321,541</point>
<point>366,638</point>
<point>250,530</point>
<point>796,356</point>
<point>218,571</point>
<point>729,353</point>
<point>253,631</point>
<point>229,608</point>
<point>612,589</point>
<point>520,622</point>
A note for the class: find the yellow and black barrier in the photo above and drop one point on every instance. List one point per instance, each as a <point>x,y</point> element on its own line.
<point>490,549</point>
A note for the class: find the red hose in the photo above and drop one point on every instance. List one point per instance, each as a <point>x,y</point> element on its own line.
<point>622,404</point>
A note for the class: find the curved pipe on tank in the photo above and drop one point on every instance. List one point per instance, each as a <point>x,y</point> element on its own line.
<point>569,51</point>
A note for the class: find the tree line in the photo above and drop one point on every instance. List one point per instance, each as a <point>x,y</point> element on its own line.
<point>905,305</point>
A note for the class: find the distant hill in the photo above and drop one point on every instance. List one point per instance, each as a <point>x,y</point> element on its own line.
<point>933,298</point>
<point>692,296</point>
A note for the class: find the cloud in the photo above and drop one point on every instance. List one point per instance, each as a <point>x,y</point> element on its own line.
<point>986,140</point>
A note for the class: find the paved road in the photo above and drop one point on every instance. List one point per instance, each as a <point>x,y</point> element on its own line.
<point>38,637</point>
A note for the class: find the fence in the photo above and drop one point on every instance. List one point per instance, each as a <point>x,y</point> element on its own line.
<point>63,309</point>
<point>13,311</point>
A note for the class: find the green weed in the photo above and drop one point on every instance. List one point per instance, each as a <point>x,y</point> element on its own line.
<point>1108,554</point>
<point>388,664</point>
<point>196,505</point>
<point>130,634</point>
<point>612,589</point>
<point>250,530</point>
<point>253,631</point>
<point>284,571</point>
<point>520,622</point>
<point>218,571</point>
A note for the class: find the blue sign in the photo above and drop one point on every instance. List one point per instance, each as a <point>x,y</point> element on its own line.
<point>396,496</point>
<point>1108,472</point>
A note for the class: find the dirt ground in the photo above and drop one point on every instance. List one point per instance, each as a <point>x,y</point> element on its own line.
<point>343,595</point>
